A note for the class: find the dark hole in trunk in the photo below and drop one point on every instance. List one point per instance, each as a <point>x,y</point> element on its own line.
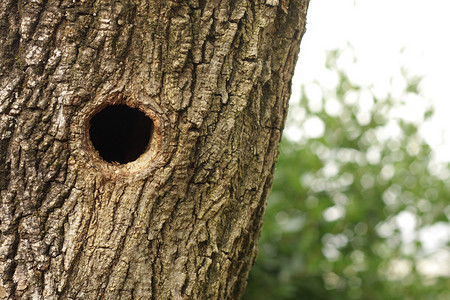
<point>120,133</point>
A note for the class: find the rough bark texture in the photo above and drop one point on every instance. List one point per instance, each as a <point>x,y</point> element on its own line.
<point>180,222</point>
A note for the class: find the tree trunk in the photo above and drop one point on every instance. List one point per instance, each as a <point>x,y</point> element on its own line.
<point>181,221</point>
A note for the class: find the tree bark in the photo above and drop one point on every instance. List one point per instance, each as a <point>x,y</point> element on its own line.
<point>181,221</point>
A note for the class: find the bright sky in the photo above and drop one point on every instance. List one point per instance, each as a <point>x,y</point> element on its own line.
<point>386,35</point>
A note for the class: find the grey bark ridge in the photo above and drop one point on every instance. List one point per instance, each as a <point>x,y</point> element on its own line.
<point>180,222</point>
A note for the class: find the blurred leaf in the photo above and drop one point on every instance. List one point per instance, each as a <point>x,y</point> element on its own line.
<point>348,209</point>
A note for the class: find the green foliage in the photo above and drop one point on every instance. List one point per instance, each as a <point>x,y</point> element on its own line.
<point>349,204</point>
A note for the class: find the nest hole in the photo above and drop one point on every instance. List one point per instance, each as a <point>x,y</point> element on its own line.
<point>120,133</point>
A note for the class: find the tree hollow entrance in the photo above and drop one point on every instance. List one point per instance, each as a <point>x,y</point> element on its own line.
<point>120,133</point>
